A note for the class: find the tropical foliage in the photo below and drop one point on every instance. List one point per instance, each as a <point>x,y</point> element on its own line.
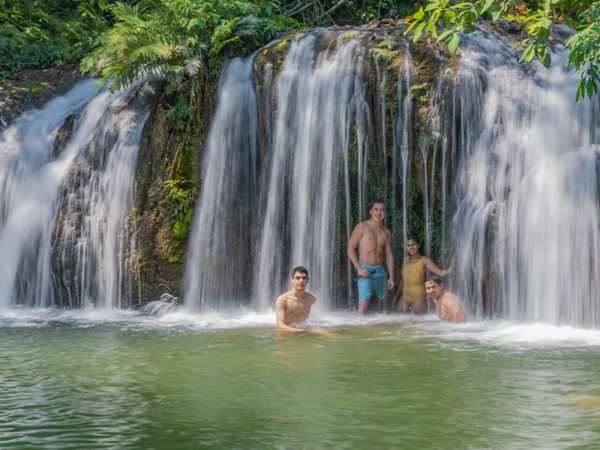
<point>445,20</point>
<point>173,39</point>
<point>126,38</point>
<point>37,34</point>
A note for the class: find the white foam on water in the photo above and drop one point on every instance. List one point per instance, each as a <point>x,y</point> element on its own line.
<point>38,317</point>
<point>501,334</point>
<point>179,317</point>
<point>216,320</point>
<point>344,319</point>
<point>514,335</point>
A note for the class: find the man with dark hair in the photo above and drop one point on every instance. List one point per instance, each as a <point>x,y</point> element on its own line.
<point>292,308</point>
<point>374,243</point>
<point>447,305</point>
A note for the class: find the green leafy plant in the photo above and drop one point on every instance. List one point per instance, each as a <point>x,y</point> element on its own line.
<point>178,39</point>
<point>445,20</point>
<point>38,34</point>
<point>182,195</point>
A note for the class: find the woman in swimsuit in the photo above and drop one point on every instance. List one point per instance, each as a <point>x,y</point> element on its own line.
<point>411,289</point>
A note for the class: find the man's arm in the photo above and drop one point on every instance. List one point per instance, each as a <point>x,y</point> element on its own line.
<point>389,260</point>
<point>280,315</point>
<point>352,244</point>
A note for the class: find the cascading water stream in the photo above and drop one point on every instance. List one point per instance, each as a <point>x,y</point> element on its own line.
<point>337,102</point>
<point>319,97</point>
<point>293,201</point>
<point>402,136</point>
<point>425,155</point>
<point>95,237</point>
<point>382,82</point>
<point>270,259</point>
<point>219,266</point>
<point>36,183</point>
<point>527,227</point>
<point>30,177</point>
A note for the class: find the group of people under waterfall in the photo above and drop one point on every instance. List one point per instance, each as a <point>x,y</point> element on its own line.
<point>370,246</point>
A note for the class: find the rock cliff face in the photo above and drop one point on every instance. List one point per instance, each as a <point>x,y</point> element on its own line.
<point>168,173</point>
<point>32,88</point>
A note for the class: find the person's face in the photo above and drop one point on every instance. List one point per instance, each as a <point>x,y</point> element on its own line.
<point>412,248</point>
<point>433,289</point>
<point>378,212</point>
<point>299,281</point>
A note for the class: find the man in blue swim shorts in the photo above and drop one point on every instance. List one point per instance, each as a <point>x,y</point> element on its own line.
<point>373,241</point>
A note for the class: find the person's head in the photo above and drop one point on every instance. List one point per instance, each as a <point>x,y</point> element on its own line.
<point>412,246</point>
<point>299,277</point>
<point>434,287</point>
<point>377,210</point>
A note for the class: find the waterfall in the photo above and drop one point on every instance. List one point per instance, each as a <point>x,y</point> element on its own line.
<point>506,153</point>
<point>316,104</point>
<point>219,268</point>
<point>291,194</point>
<point>527,225</point>
<point>36,181</point>
<point>492,160</point>
<point>96,239</point>
<point>30,179</point>
<point>402,138</point>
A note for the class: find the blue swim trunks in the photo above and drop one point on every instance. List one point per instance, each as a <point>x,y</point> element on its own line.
<point>375,282</point>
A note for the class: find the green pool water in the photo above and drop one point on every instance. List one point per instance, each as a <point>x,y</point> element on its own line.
<point>105,385</point>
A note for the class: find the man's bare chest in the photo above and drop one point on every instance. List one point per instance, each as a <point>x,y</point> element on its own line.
<point>374,239</point>
<point>295,306</point>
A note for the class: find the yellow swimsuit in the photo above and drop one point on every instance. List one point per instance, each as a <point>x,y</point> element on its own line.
<point>413,279</point>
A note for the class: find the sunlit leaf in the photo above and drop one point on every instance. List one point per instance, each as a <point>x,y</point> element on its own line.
<point>488,5</point>
<point>418,31</point>
<point>453,44</point>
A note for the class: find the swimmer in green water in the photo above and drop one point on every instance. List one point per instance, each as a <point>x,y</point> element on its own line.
<point>447,305</point>
<point>293,307</point>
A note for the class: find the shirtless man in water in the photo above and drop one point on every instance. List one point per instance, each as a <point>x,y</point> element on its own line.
<point>374,243</point>
<point>447,305</point>
<point>293,307</point>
